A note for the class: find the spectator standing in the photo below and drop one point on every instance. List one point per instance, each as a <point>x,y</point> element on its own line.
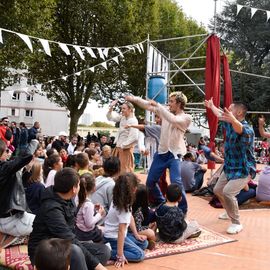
<point>60,143</point>
<point>5,131</point>
<point>34,131</point>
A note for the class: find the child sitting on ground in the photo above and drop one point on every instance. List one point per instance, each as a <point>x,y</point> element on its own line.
<point>143,216</point>
<point>170,219</point>
<point>88,214</point>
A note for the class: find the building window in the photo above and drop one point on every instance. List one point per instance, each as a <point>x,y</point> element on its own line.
<point>16,96</point>
<point>29,113</point>
<point>29,97</point>
<point>14,112</point>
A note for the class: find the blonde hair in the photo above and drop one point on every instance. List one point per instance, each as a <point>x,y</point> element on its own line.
<point>35,172</point>
<point>180,98</point>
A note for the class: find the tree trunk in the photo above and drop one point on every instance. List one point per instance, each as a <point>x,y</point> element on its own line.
<point>74,118</point>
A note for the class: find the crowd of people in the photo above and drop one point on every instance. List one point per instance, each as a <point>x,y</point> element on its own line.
<point>81,198</point>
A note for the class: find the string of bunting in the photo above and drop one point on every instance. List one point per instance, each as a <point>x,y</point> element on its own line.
<point>253,11</point>
<point>37,87</point>
<point>94,52</point>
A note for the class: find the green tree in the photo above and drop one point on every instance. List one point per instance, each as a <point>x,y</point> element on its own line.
<point>247,40</point>
<point>103,23</point>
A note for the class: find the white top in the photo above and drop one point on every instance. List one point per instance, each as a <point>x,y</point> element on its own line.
<point>125,137</point>
<point>86,218</point>
<point>50,178</point>
<point>112,221</point>
<point>70,149</point>
<point>173,128</point>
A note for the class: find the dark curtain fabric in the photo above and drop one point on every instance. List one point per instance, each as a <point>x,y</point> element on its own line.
<point>227,85</point>
<point>212,87</point>
<point>227,82</point>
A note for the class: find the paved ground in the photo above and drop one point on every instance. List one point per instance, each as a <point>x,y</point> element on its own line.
<point>250,252</point>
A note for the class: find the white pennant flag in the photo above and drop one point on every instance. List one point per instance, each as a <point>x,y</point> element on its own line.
<point>65,48</point>
<point>78,73</point>
<point>118,50</point>
<point>130,48</point>
<point>46,46</point>
<point>1,38</point>
<point>141,47</point>
<point>64,78</point>
<point>101,55</point>
<point>115,59</point>
<point>104,64</point>
<point>105,52</point>
<point>27,40</point>
<point>253,11</point>
<point>79,51</point>
<point>90,51</point>
<point>268,15</point>
<point>239,7</point>
<point>92,69</point>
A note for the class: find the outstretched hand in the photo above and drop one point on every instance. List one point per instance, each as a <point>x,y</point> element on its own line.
<point>228,116</point>
<point>209,103</point>
<point>113,103</point>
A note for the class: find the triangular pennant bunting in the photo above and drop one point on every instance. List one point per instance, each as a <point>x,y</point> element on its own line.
<point>239,7</point>
<point>139,48</point>
<point>90,51</point>
<point>141,45</point>
<point>104,64</point>
<point>27,41</point>
<point>101,55</point>
<point>46,46</point>
<point>64,78</point>
<point>268,15</point>
<point>1,38</point>
<point>253,11</point>
<point>78,73</point>
<point>65,48</point>
<point>115,59</point>
<point>92,69</point>
<point>79,51</point>
<point>105,52</point>
<point>118,50</point>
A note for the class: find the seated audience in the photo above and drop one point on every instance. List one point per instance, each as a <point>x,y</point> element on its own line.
<point>56,219</point>
<point>191,173</point>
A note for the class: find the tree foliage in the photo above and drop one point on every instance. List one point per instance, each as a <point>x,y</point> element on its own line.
<point>248,42</point>
<point>103,23</point>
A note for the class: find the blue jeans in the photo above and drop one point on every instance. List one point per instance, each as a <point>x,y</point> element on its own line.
<point>243,196</point>
<point>133,248</point>
<point>159,164</point>
<point>198,176</point>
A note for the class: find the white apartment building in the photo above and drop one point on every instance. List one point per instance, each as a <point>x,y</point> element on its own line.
<point>21,106</point>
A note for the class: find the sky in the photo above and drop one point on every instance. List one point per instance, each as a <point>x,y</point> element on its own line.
<point>200,10</point>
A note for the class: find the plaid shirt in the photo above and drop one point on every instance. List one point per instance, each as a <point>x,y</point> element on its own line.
<point>239,158</point>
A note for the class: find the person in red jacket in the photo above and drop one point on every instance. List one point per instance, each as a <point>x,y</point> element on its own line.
<point>5,131</point>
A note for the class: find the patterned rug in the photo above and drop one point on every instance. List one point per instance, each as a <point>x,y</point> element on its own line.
<point>16,257</point>
<point>207,239</point>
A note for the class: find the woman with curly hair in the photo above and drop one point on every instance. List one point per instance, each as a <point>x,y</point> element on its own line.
<point>125,246</point>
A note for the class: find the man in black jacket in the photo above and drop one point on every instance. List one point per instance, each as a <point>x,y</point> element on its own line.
<point>14,220</point>
<point>56,219</point>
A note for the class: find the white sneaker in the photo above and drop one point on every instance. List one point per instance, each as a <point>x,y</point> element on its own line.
<point>235,228</point>
<point>224,216</point>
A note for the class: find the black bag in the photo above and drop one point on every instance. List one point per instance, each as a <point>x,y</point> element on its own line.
<point>8,134</point>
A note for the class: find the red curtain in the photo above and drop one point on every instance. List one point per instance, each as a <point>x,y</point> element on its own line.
<point>212,87</point>
<point>227,82</point>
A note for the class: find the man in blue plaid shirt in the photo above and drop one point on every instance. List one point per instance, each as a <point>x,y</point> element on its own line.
<point>239,161</point>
